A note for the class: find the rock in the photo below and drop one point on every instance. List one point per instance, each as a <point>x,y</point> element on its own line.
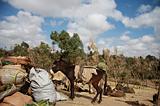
<point>124,88</point>
<point>118,93</point>
<point>128,90</point>
<point>108,91</point>
<point>17,99</point>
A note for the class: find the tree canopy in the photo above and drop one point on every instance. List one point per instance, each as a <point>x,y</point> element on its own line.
<point>71,47</point>
<point>21,49</point>
<point>41,56</point>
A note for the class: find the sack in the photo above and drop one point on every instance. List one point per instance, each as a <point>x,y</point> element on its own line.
<point>61,97</point>
<point>12,74</point>
<point>41,86</point>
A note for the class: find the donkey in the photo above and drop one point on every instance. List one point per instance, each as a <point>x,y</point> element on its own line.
<point>68,70</point>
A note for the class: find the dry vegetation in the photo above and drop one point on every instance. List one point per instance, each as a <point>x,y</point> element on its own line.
<point>128,70</point>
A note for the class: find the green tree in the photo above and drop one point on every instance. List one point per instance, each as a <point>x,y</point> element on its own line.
<point>2,52</point>
<point>71,48</point>
<point>21,49</point>
<point>41,56</point>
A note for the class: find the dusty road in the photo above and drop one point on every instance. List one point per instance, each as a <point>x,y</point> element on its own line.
<point>143,95</point>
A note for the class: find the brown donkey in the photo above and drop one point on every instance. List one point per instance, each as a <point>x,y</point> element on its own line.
<point>68,70</point>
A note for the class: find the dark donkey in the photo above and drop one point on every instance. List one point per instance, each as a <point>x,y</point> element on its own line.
<point>68,70</point>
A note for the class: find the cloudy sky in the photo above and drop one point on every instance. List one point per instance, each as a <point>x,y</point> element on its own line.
<point>132,26</point>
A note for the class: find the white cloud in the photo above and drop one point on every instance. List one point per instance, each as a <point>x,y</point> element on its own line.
<point>144,8</point>
<point>147,39</point>
<point>104,43</point>
<point>129,46</point>
<point>97,21</point>
<point>22,27</point>
<point>150,19</point>
<point>125,36</point>
<point>140,46</point>
<point>89,19</point>
<point>56,23</point>
<point>147,44</point>
<point>90,26</point>
<point>53,8</point>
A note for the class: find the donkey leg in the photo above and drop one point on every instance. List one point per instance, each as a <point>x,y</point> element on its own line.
<point>94,99</point>
<point>71,77</point>
<point>72,90</point>
<point>105,83</point>
<point>89,88</point>
<point>95,85</point>
<point>100,97</point>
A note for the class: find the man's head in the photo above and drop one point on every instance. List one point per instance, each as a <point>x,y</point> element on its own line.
<point>102,66</point>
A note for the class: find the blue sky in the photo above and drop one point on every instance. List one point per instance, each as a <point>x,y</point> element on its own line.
<point>131,26</point>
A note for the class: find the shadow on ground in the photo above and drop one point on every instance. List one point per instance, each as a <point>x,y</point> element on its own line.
<point>76,94</point>
<point>135,103</point>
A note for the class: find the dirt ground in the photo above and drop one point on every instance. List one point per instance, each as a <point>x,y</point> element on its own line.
<point>142,96</point>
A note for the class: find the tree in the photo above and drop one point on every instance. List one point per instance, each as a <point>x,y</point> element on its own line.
<point>71,48</point>
<point>21,49</point>
<point>24,45</point>
<point>41,56</point>
<point>2,52</point>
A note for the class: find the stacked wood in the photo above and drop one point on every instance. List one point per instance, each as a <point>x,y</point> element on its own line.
<point>17,60</point>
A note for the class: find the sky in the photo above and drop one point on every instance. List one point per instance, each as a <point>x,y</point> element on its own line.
<point>131,26</point>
